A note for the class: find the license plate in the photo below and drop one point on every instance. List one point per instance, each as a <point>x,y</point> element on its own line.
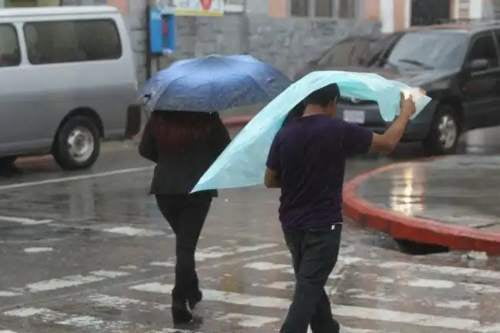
<point>356,117</point>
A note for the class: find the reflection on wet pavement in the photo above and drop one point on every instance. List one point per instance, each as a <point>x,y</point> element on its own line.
<point>460,190</point>
<point>93,254</point>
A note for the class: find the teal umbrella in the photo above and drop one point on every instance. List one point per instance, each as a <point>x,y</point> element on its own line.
<point>243,162</point>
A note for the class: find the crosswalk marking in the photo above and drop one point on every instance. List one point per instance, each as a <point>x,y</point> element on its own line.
<point>418,319</point>
<point>417,282</point>
<point>60,318</point>
<point>131,231</point>
<point>264,266</point>
<point>123,302</point>
<point>6,293</point>
<point>65,282</point>
<point>244,320</point>
<point>217,252</point>
<point>425,268</point>
<point>24,220</point>
<point>172,330</point>
<point>402,275</point>
<point>38,249</point>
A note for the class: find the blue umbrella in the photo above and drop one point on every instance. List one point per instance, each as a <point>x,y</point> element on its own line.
<point>213,83</point>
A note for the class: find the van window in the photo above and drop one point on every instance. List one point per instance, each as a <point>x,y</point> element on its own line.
<point>72,41</point>
<point>9,46</point>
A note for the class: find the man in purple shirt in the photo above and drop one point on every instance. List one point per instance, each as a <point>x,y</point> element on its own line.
<point>307,161</point>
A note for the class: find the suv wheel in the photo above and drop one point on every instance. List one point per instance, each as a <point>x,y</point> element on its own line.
<point>444,133</point>
<point>77,144</point>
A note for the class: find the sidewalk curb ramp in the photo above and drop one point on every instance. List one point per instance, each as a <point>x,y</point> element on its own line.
<point>415,229</point>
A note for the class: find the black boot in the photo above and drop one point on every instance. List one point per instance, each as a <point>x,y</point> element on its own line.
<point>195,298</point>
<point>180,312</point>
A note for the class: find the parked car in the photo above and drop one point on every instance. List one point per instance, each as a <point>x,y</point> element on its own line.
<point>356,51</point>
<point>458,65</point>
<point>67,79</point>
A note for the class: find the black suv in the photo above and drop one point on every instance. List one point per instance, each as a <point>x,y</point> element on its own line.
<point>458,65</point>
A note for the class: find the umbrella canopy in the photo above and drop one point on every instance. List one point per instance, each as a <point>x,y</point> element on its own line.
<point>243,162</point>
<point>213,83</point>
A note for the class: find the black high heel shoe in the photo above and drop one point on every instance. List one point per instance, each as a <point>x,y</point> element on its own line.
<point>195,298</point>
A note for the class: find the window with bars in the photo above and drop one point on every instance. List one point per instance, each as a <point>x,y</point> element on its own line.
<point>299,7</point>
<point>324,8</point>
<point>346,8</point>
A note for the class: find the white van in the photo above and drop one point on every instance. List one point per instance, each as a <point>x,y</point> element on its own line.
<point>67,79</point>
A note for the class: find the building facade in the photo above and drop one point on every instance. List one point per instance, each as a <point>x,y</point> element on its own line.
<point>264,28</point>
<point>393,14</point>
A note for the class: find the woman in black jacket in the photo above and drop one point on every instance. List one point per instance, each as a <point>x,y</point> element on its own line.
<point>183,145</point>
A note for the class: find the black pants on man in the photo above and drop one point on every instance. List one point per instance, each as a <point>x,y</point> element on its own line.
<point>186,215</point>
<point>314,254</point>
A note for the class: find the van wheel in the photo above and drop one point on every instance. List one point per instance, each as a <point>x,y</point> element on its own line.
<point>444,133</point>
<point>77,144</point>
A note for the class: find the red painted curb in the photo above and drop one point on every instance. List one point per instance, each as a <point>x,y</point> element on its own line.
<point>236,121</point>
<point>415,229</point>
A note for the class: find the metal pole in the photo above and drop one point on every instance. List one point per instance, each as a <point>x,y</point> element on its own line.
<point>2,3</point>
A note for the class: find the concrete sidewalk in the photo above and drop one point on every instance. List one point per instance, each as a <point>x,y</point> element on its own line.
<point>452,201</point>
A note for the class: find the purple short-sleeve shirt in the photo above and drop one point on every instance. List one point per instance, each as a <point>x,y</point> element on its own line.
<point>309,156</point>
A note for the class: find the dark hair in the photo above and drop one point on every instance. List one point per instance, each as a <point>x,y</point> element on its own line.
<point>323,96</point>
<point>295,113</point>
<point>176,131</point>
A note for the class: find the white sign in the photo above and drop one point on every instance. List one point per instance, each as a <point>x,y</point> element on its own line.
<point>354,116</point>
<point>199,7</point>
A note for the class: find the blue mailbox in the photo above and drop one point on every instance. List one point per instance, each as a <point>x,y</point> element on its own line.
<point>161,30</point>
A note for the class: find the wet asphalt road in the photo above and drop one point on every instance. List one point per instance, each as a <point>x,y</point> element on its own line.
<point>89,252</point>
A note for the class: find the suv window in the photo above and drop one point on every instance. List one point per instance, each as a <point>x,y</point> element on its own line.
<point>72,41</point>
<point>484,48</point>
<point>429,49</point>
<point>9,46</point>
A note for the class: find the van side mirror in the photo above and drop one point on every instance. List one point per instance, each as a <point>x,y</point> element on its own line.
<point>478,65</point>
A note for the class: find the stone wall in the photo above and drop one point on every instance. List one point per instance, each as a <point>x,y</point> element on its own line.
<point>287,43</point>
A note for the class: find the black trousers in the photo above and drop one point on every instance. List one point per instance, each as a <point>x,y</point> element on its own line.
<point>314,254</point>
<point>186,215</point>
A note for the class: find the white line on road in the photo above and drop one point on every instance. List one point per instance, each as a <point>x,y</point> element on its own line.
<point>244,320</point>
<point>217,252</point>
<point>266,266</point>
<point>415,283</point>
<point>5,293</point>
<point>131,231</point>
<point>67,281</point>
<point>24,220</point>
<point>460,272</point>
<point>123,303</point>
<point>75,178</point>
<point>61,318</point>
<point>38,249</point>
<point>417,319</point>
<point>425,268</point>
